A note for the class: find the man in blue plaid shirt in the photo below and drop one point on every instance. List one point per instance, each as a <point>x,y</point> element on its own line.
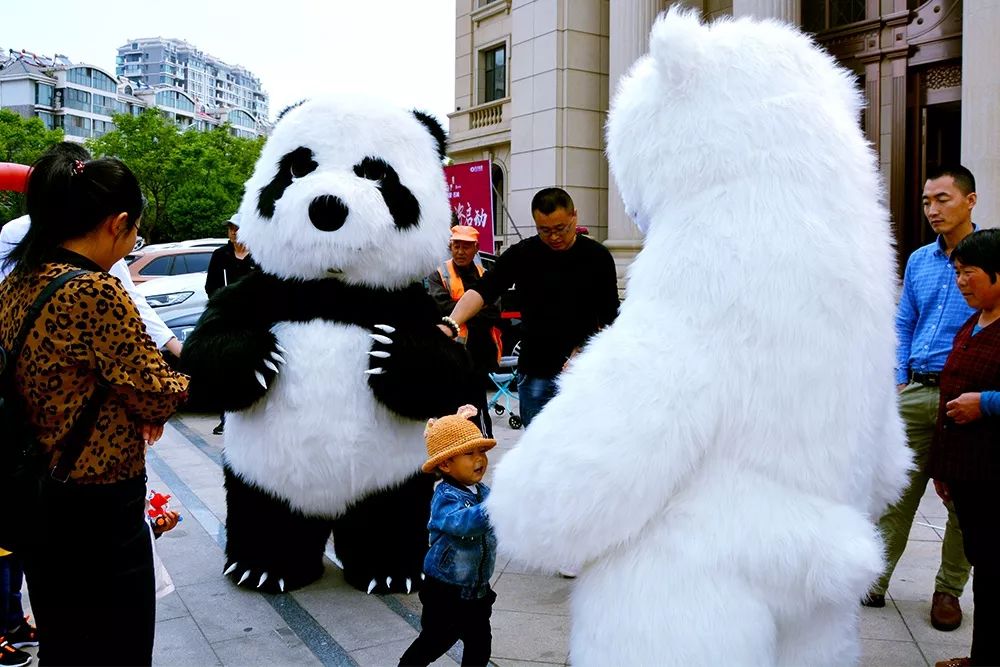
<point>931,311</point>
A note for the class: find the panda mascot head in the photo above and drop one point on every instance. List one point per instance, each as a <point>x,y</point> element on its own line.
<point>351,189</point>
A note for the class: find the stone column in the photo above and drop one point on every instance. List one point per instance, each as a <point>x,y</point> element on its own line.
<point>630,23</point>
<point>783,10</point>
<point>981,105</point>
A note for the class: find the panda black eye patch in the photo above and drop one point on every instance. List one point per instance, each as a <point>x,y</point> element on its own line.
<point>400,201</point>
<point>294,164</point>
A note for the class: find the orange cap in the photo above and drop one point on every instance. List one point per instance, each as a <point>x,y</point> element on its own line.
<point>464,233</point>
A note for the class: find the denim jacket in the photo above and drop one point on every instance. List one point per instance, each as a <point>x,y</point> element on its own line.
<point>462,544</point>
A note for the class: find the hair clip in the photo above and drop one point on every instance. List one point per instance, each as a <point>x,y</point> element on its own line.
<point>78,166</point>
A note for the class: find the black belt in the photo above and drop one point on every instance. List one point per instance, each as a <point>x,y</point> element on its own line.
<point>926,379</point>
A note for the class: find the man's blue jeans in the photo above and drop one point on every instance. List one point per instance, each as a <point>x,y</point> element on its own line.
<point>533,393</point>
<point>11,577</point>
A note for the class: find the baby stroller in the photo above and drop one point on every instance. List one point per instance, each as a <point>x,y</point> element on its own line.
<point>505,378</point>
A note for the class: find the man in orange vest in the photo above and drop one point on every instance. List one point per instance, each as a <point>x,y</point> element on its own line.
<point>447,285</point>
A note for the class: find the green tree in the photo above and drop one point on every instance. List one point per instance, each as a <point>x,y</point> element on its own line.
<point>22,140</point>
<point>146,143</point>
<point>210,169</point>
<point>193,180</point>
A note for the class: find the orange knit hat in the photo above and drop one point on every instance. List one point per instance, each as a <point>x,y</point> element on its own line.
<point>453,435</point>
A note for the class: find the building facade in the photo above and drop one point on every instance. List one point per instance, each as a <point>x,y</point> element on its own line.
<point>212,83</point>
<point>533,78</point>
<point>81,99</point>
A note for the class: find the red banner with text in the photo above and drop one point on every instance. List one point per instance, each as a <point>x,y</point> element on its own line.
<point>470,191</point>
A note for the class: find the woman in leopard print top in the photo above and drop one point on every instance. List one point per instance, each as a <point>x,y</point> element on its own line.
<point>89,567</point>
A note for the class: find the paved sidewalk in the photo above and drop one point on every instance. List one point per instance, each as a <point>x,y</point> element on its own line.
<point>208,621</point>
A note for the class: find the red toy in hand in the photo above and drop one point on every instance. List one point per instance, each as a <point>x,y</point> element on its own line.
<point>158,508</point>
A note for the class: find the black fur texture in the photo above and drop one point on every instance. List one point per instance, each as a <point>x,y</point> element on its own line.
<point>263,534</point>
<point>294,164</point>
<point>233,338</point>
<point>402,205</point>
<point>385,536</point>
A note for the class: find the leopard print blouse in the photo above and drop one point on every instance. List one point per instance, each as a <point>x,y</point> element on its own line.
<point>89,330</point>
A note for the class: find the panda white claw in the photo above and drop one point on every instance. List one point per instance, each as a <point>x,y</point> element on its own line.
<point>229,570</point>
<point>375,371</point>
<point>260,379</point>
<point>422,576</point>
<point>386,328</point>
<point>388,582</point>
<point>409,585</point>
<point>263,578</point>
<point>280,349</point>
<point>246,575</point>
<point>271,366</point>
<point>277,357</point>
<point>379,338</point>
<point>371,586</point>
<point>380,354</point>
<point>281,585</point>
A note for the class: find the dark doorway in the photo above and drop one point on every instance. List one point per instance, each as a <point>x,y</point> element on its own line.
<point>940,143</point>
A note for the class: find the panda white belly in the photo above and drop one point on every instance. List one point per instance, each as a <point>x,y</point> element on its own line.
<point>319,438</point>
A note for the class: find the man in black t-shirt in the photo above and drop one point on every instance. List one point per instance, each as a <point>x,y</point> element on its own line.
<point>568,290</point>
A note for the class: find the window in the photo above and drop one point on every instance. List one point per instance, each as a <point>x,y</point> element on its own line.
<point>77,99</point>
<point>43,94</point>
<point>158,267</point>
<point>104,105</point>
<point>48,119</point>
<point>820,15</point>
<point>78,126</point>
<point>493,85</point>
<point>196,262</point>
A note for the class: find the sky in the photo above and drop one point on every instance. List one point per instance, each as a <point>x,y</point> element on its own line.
<point>400,50</point>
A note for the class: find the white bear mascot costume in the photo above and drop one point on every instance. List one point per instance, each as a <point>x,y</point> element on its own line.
<point>717,458</point>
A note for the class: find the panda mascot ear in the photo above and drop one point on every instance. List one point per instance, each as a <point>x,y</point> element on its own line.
<point>434,128</point>
<point>289,108</point>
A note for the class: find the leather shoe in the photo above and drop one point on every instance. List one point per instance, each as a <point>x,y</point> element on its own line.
<point>873,600</point>
<point>946,612</point>
<point>954,662</point>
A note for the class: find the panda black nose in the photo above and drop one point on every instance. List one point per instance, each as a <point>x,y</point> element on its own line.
<point>327,213</point>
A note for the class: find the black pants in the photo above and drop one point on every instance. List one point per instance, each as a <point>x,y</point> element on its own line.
<point>446,619</point>
<point>977,505</point>
<point>90,575</point>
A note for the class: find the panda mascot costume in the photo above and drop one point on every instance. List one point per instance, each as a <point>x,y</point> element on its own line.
<point>717,458</point>
<point>329,360</point>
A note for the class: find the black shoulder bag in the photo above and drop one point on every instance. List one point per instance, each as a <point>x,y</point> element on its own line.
<point>23,463</point>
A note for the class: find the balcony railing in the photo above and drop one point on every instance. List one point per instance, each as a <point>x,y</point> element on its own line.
<point>486,115</point>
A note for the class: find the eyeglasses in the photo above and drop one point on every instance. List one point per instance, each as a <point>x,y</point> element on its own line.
<point>554,231</point>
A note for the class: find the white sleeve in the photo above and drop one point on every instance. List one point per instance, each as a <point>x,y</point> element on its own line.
<point>10,235</point>
<point>157,330</point>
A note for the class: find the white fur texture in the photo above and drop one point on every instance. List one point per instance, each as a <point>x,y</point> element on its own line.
<point>291,446</point>
<point>369,249</point>
<point>718,456</point>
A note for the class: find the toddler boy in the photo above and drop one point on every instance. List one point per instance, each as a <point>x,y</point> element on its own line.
<point>456,593</point>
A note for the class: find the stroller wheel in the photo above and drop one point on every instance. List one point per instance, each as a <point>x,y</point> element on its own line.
<point>514,421</point>
<point>499,409</point>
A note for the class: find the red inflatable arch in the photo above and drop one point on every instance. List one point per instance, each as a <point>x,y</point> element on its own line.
<point>14,176</point>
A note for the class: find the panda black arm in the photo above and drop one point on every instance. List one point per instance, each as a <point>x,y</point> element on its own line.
<point>232,355</point>
<point>427,374</point>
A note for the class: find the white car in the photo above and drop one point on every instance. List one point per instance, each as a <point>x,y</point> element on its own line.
<point>176,296</point>
<point>192,243</point>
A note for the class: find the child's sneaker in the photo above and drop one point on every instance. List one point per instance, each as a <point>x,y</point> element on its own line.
<point>12,657</point>
<point>23,635</point>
